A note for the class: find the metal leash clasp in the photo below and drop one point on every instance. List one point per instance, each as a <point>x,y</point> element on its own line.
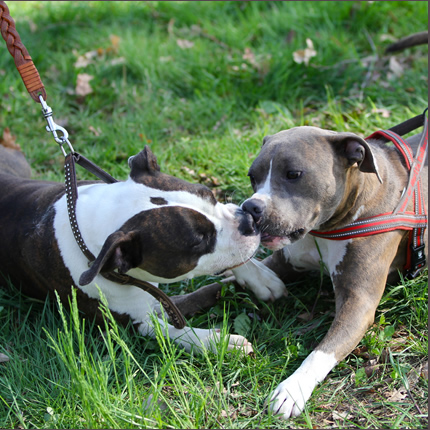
<point>54,128</point>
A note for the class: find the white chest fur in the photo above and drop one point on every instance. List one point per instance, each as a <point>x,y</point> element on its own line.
<point>308,253</point>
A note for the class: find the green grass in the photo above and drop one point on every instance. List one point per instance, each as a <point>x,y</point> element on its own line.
<point>204,111</point>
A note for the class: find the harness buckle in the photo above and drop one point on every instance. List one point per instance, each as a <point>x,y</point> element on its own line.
<point>418,261</point>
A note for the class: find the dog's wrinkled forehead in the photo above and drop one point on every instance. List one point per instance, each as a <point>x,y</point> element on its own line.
<point>145,170</point>
<point>297,134</point>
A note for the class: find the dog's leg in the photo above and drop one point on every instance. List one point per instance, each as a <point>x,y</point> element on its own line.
<point>196,339</point>
<point>260,279</point>
<point>358,290</point>
<point>201,299</point>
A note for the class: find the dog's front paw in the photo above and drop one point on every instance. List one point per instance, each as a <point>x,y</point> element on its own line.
<point>235,341</point>
<point>261,280</point>
<point>290,396</point>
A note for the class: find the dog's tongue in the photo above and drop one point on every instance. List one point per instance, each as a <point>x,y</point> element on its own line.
<point>272,242</point>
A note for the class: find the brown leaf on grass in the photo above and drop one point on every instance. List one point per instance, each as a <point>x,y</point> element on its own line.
<point>397,395</point>
<point>97,132</point>
<point>425,371</point>
<point>184,44</point>
<point>188,170</point>
<point>9,140</point>
<point>32,25</point>
<point>387,38</point>
<point>170,27</point>
<point>83,86</point>
<point>361,351</point>
<point>341,415</point>
<point>385,113</point>
<point>3,358</point>
<point>306,316</point>
<point>371,367</point>
<point>250,57</point>
<point>232,413</point>
<point>90,57</point>
<point>86,59</point>
<point>304,55</point>
<point>114,47</point>
<point>396,68</point>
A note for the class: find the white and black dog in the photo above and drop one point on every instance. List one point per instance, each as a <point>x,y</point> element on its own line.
<point>152,226</point>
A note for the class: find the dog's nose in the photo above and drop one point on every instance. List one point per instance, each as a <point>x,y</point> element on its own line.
<point>255,207</point>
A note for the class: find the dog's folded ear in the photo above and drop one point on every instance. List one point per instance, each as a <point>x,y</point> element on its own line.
<point>265,139</point>
<point>120,251</point>
<point>144,162</point>
<point>357,150</point>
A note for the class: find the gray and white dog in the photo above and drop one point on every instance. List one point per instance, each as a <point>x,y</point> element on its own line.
<point>308,179</point>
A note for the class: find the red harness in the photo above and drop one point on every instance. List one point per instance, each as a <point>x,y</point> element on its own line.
<point>399,219</point>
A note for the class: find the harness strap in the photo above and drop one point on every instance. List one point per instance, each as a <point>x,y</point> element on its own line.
<point>72,195</point>
<point>94,169</point>
<point>409,125</point>
<point>399,219</point>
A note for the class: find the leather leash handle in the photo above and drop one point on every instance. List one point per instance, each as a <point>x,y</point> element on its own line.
<point>23,61</point>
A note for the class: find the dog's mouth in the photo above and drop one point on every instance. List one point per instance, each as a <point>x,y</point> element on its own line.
<point>275,241</point>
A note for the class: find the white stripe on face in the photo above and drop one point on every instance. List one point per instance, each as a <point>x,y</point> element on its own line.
<point>265,189</point>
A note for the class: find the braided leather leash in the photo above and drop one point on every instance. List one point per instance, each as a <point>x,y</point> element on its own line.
<point>23,61</point>
<point>36,89</point>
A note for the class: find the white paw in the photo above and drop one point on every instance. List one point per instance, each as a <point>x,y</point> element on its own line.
<point>235,341</point>
<point>290,396</point>
<point>197,340</point>
<point>261,280</point>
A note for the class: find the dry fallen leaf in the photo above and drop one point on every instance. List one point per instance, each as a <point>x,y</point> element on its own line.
<point>3,358</point>
<point>395,67</point>
<point>425,370</point>
<point>114,40</point>
<point>304,55</point>
<point>397,395</point>
<point>341,415</point>
<point>184,44</point>
<point>96,131</point>
<point>385,113</point>
<point>9,140</point>
<point>86,59</point>
<point>116,61</point>
<point>83,86</point>
<point>250,57</point>
<point>387,37</point>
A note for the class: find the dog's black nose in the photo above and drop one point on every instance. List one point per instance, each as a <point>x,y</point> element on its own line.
<point>255,207</point>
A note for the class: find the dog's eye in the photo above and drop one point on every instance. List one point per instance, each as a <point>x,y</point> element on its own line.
<point>294,174</point>
<point>252,179</point>
<point>199,238</point>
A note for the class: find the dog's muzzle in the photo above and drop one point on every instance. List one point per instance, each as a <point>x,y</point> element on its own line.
<point>247,224</point>
<point>256,208</point>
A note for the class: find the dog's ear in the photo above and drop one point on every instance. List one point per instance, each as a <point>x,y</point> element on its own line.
<point>144,162</point>
<point>120,251</point>
<point>357,150</point>
<point>265,139</point>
